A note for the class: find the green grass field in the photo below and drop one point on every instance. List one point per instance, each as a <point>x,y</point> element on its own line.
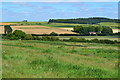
<point>54,59</point>
<point>110,24</point>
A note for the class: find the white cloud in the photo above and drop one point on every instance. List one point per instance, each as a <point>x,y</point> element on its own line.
<point>60,1</point>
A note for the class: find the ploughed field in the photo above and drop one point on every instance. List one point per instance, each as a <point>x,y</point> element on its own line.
<point>55,59</point>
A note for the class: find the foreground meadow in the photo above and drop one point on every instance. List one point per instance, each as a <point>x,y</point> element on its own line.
<point>54,59</point>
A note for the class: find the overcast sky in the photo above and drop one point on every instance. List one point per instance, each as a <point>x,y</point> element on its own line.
<point>43,11</point>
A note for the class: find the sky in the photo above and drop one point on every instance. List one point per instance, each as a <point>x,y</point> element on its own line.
<point>60,0</point>
<point>43,11</point>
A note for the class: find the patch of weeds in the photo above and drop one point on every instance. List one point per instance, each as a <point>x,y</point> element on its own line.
<point>47,51</point>
<point>73,51</point>
<point>11,57</point>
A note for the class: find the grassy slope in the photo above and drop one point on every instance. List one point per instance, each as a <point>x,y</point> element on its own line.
<point>45,59</point>
<point>110,24</point>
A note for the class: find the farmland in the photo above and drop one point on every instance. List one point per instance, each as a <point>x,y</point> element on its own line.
<point>58,59</point>
<point>55,59</point>
<point>60,28</point>
<point>59,39</point>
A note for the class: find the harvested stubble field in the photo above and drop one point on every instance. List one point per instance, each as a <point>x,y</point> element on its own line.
<point>47,59</point>
<point>36,29</point>
<point>6,23</point>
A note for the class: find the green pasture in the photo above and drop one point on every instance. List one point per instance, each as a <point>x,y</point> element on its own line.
<point>90,37</point>
<point>55,59</point>
<point>110,24</point>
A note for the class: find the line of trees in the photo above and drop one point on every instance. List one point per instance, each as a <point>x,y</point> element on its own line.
<point>98,29</point>
<point>92,20</point>
<point>20,35</point>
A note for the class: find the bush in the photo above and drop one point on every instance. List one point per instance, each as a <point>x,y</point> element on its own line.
<point>95,40</point>
<point>74,39</point>
<point>46,38</point>
<point>36,38</point>
<point>11,36</point>
<point>17,34</point>
<point>107,41</point>
<point>54,38</point>
<point>20,34</point>
<point>28,37</point>
<point>104,41</point>
<point>53,34</point>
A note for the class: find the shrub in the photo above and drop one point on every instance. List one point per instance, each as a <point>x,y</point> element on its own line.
<point>95,40</point>
<point>74,39</point>
<point>36,38</point>
<point>10,36</point>
<point>54,38</point>
<point>20,34</point>
<point>103,41</point>
<point>53,34</point>
<point>28,37</point>
<point>46,38</point>
<point>107,41</point>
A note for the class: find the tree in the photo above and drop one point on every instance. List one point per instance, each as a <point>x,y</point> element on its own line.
<point>7,29</point>
<point>24,20</point>
<point>107,30</point>
<point>91,28</point>
<point>98,29</point>
<point>77,28</point>
<point>85,30</point>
